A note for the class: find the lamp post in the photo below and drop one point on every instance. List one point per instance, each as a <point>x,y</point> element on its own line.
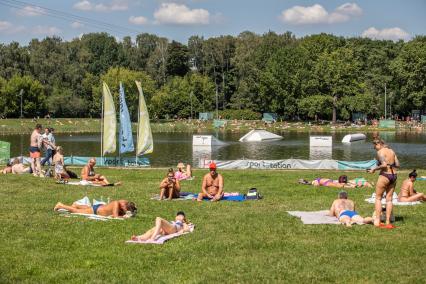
<point>21,93</point>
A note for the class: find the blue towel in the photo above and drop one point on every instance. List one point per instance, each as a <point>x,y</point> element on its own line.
<point>227,198</point>
<point>420,178</point>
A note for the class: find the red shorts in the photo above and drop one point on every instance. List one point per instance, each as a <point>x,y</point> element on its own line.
<point>35,154</point>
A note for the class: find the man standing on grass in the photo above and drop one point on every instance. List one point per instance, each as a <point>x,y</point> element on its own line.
<point>49,144</point>
<point>212,187</point>
<point>344,209</point>
<point>35,144</point>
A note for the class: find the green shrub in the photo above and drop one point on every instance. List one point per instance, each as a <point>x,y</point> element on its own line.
<point>240,114</point>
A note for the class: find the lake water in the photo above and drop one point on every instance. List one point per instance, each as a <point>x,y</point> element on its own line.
<point>169,148</point>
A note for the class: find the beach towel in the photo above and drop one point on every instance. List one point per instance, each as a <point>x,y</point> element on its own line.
<point>421,178</point>
<point>395,201</point>
<point>227,196</point>
<point>315,217</point>
<point>66,213</point>
<point>81,182</point>
<point>162,239</point>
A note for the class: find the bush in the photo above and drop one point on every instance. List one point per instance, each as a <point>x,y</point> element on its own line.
<point>240,114</point>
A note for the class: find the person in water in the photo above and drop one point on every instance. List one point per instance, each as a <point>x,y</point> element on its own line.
<point>212,187</point>
<point>408,193</point>
<point>183,172</point>
<point>387,164</point>
<point>163,227</point>
<point>88,174</point>
<point>344,209</point>
<point>117,208</point>
<point>169,186</point>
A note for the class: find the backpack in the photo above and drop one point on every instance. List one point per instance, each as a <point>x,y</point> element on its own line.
<point>253,194</point>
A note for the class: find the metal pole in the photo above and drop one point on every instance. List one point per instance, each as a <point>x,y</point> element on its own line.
<point>190,97</point>
<point>385,103</point>
<point>21,93</point>
<point>102,129</point>
<point>217,104</point>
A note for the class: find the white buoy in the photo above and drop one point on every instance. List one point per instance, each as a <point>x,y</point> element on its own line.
<point>260,136</point>
<point>353,137</point>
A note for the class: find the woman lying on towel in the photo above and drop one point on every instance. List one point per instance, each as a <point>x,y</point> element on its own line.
<point>342,182</point>
<point>115,209</point>
<point>408,193</point>
<point>164,227</point>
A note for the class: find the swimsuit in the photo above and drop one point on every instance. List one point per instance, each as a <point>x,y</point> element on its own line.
<point>95,208</point>
<point>180,175</point>
<point>34,152</point>
<point>178,225</point>
<point>348,213</point>
<point>391,177</point>
<point>324,183</point>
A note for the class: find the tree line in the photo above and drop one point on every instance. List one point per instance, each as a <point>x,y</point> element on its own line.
<point>318,76</point>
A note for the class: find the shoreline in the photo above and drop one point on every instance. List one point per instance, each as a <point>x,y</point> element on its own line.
<point>89,125</point>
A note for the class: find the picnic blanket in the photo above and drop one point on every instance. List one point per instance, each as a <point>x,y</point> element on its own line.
<point>227,196</point>
<point>395,201</point>
<point>315,217</point>
<point>162,239</point>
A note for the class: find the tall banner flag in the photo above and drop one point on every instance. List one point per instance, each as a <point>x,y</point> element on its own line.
<point>145,143</point>
<point>109,122</point>
<point>125,136</point>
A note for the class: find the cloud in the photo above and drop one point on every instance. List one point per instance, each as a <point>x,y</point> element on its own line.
<point>31,11</point>
<point>386,34</point>
<point>77,25</point>
<point>45,30</point>
<point>179,14</point>
<point>115,5</point>
<point>139,20</point>
<point>4,26</point>
<point>317,14</point>
<point>9,28</point>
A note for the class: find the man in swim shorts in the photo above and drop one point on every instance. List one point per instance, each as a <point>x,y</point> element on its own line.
<point>212,187</point>
<point>114,208</point>
<point>344,209</point>
<point>35,145</point>
<point>88,175</point>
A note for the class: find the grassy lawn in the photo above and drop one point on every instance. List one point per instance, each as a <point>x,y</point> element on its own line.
<point>253,241</point>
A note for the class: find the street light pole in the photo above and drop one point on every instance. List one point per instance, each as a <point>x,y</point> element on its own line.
<point>21,93</point>
<point>385,103</point>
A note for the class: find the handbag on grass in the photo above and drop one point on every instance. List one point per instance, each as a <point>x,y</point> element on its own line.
<point>253,194</point>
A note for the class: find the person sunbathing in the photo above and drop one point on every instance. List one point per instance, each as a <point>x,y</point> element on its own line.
<point>408,193</point>
<point>344,209</point>
<point>342,182</point>
<point>115,209</point>
<point>212,187</point>
<point>88,174</point>
<point>163,227</point>
<point>169,186</point>
<point>181,173</point>
<point>7,169</point>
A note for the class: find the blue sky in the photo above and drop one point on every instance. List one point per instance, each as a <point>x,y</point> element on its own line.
<point>392,19</point>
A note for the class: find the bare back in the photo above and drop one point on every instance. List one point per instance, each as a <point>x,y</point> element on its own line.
<point>388,156</point>
<point>340,205</point>
<point>407,188</point>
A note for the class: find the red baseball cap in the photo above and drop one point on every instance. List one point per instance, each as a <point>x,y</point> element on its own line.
<point>212,166</point>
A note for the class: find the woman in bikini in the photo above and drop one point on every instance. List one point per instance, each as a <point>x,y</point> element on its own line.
<point>408,193</point>
<point>164,227</point>
<point>387,163</point>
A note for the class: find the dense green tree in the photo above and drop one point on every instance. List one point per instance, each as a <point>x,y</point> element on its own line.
<point>33,98</point>
<point>177,59</point>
